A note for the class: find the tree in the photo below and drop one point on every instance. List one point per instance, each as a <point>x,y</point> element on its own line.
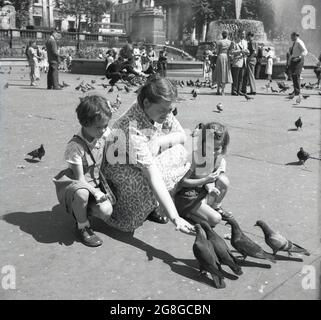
<point>91,10</point>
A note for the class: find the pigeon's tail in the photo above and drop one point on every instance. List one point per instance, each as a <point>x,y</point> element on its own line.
<point>292,247</point>
<point>218,281</point>
<point>236,269</point>
<point>269,256</point>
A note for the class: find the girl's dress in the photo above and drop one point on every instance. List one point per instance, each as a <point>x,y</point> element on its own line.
<point>33,63</point>
<point>189,199</point>
<point>222,71</point>
<point>269,64</point>
<point>77,153</point>
<point>134,134</point>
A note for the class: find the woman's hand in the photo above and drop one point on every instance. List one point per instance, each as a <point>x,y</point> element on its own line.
<point>184,226</point>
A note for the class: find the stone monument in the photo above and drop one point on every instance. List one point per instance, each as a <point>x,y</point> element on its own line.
<point>7,17</point>
<point>148,23</point>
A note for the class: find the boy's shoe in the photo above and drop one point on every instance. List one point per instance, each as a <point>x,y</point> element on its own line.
<point>226,215</point>
<point>89,238</point>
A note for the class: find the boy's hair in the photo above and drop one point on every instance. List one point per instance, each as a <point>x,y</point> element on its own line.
<point>157,89</point>
<point>221,135</point>
<point>92,109</point>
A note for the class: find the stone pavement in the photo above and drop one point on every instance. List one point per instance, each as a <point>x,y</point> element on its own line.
<point>38,239</point>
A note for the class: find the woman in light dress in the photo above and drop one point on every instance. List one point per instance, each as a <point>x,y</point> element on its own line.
<point>222,71</point>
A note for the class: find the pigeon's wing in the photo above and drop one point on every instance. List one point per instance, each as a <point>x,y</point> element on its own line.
<point>276,241</point>
<point>33,153</point>
<point>293,247</point>
<point>250,247</point>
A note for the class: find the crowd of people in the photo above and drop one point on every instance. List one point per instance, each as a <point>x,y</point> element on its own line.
<point>239,62</point>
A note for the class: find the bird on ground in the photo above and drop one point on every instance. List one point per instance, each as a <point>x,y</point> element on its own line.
<point>6,86</point>
<point>126,88</point>
<point>103,78</point>
<point>305,96</point>
<point>118,87</point>
<point>248,97</point>
<point>181,85</point>
<point>118,100</point>
<point>274,90</point>
<point>282,85</point>
<point>206,257</point>
<point>194,94</point>
<point>245,246</point>
<point>64,84</point>
<point>174,111</point>
<point>278,242</point>
<point>37,153</point>
<point>78,78</point>
<point>221,249</point>
<point>298,123</point>
<point>111,89</point>
<point>93,81</point>
<point>302,156</point>
<point>219,106</point>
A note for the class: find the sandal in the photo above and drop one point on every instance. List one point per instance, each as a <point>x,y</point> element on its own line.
<point>226,215</point>
<point>155,216</point>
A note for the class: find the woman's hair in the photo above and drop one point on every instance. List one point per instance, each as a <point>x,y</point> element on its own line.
<point>221,135</point>
<point>157,89</point>
<point>92,109</point>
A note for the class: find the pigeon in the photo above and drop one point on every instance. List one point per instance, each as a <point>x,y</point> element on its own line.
<point>219,107</point>
<point>64,84</point>
<point>78,78</point>
<point>274,90</point>
<point>282,86</point>
<point>111,89</point>
<point>37,153</point>
<point>305,96</point>
<point>126,88</point>
<point>221,249</point>
<point>244,245</point>
<point>247,97</point>
<point>194,94</point>
<point>93,81</point>
<point>174,111</point>
<point>6,86</point>
<point>103,78</point>
<point>118,100</point>
<point>119,88</point>
<point>303,156</point>
<point>298,123</point>
<point>277,242</point>
<point>181,84</point>
<point>206,257</point>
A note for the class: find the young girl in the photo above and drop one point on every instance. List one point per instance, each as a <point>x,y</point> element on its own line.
<point>79,188</point>
<point>269,63</point>
<point>200,193</point>
<point>33,57</point>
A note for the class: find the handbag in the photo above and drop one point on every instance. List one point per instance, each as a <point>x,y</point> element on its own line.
<point>103,182</point>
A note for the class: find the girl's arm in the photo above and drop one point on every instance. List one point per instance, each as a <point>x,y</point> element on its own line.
<point>161,193</point>
<point>191,183</point>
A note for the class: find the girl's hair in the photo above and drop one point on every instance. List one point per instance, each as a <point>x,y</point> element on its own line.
<point>221,135</point>
<point>224,34</point>
<point>92,109</point>
<point>157,89</point>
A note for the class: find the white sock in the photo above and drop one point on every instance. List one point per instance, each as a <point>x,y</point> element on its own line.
<point>83,224</point>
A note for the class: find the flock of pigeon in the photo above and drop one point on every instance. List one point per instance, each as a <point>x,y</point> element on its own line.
<point>211,251</point>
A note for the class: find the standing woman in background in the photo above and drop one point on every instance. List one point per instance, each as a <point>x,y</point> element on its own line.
<point>222,72</point>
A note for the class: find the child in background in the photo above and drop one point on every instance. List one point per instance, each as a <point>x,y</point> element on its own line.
<point>269,63</point>
<point>207,66</point>
<point>162,62</point>
<point>200,194</point>
<point>79,188</point>
<point>31,52</point>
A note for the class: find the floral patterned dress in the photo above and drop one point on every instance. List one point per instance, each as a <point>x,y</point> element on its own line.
<point>133,136</point>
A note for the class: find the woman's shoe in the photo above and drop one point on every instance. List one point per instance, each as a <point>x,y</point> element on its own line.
<point>155,216</point>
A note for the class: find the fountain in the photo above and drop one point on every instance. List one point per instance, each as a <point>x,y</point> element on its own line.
<point>234,25</point>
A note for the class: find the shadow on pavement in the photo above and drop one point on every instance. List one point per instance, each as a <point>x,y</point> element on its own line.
<point>189,269</point>
<point>293,129</point>
<point>45,226</point>
<point>302,107</point>
<point>31,160</point>
<point>295,163</point>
